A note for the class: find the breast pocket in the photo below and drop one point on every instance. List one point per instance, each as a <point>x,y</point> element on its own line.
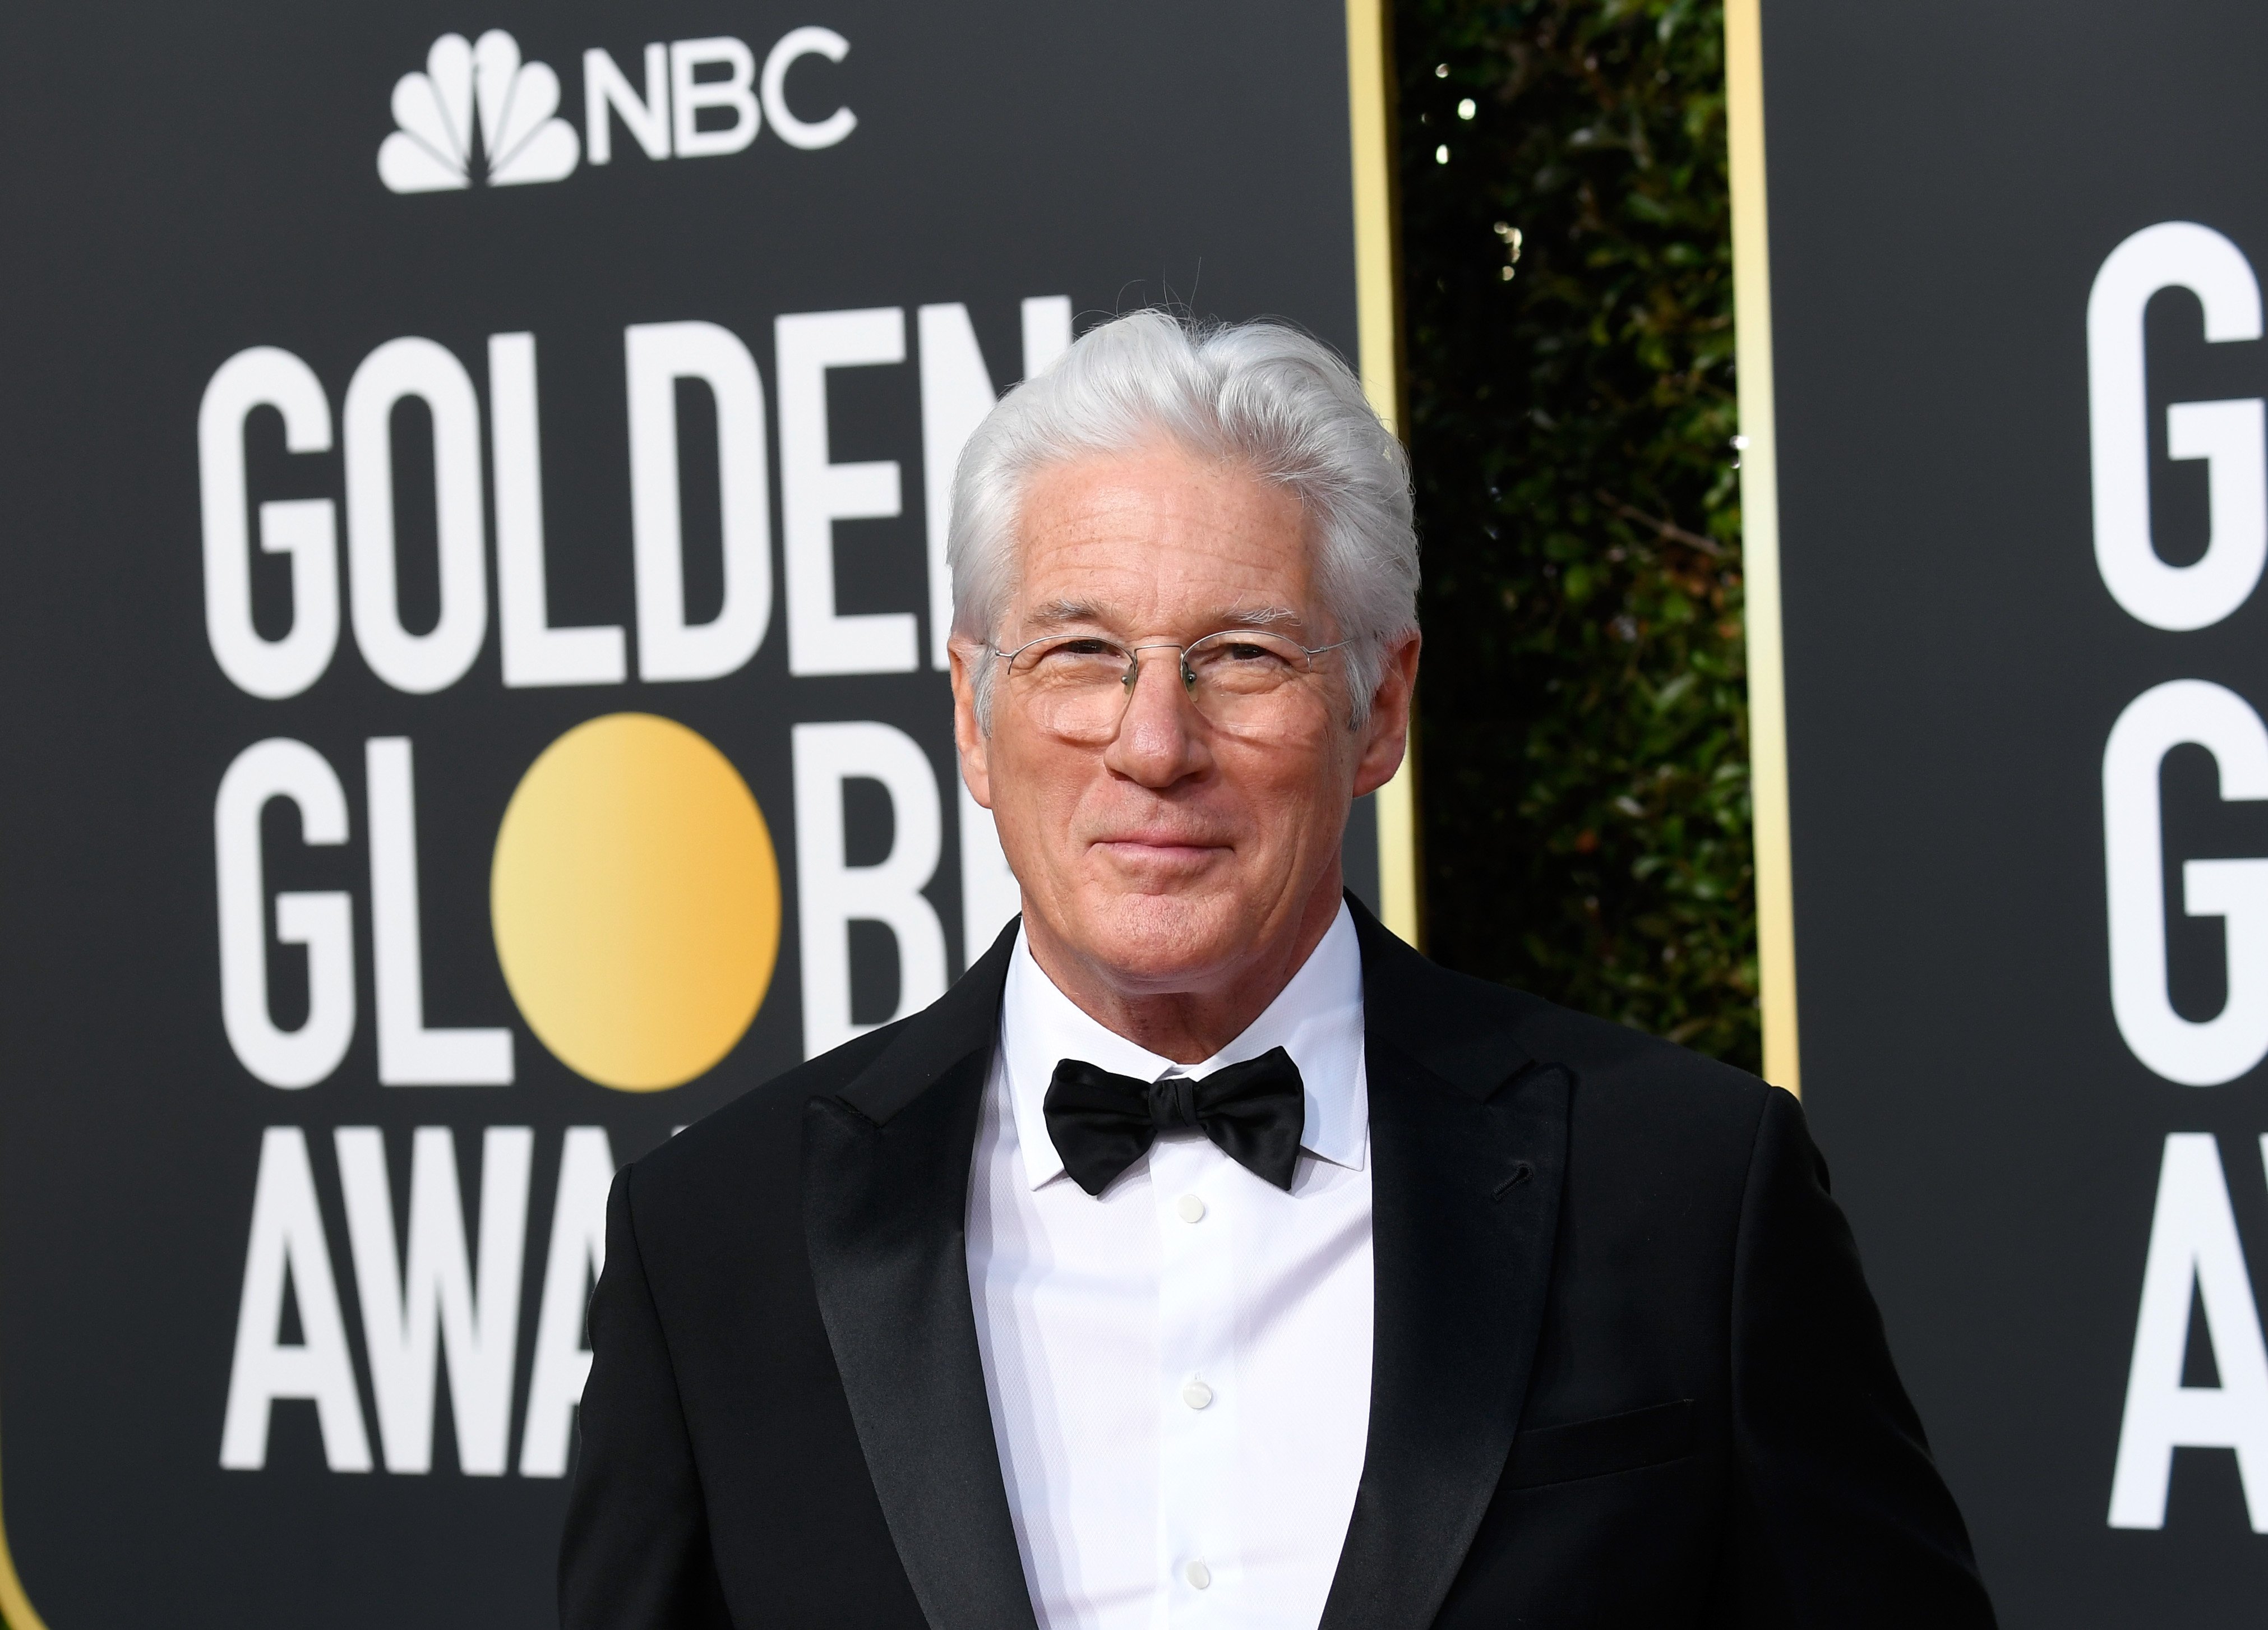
<point>1581,1449</point>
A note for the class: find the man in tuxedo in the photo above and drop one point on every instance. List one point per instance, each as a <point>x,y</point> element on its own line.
<point>1206,1256</point>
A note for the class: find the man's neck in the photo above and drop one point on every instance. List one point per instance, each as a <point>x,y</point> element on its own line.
<point>1188,1026</point>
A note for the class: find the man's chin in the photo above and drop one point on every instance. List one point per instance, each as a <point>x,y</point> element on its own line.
<point>1170,938</point>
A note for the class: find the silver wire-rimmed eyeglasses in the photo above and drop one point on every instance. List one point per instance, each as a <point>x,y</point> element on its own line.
<point>1077,685</point>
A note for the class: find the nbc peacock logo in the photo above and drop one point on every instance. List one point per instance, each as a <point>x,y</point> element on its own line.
<point>481,88</point>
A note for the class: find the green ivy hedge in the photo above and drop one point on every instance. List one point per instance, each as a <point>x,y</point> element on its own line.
<point>1583,754</point>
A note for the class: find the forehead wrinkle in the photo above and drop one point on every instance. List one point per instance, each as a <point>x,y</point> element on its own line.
<point>1066,612</point>
<point>1057,612</point>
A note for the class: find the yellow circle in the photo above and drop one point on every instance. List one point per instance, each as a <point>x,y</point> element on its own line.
<point>636,901</point>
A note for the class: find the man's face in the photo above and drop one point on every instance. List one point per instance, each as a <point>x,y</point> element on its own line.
<point>1175,853</point>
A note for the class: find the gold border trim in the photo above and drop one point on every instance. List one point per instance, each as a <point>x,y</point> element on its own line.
<point>16,1609</point>
<point>1744,95</point>
<point>1378,333</point>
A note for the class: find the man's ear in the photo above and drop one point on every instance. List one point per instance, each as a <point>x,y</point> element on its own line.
<point>1386,733</point>
<point>968,740</point>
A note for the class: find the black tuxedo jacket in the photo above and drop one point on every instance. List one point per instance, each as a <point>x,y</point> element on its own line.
<point>1626,1369</point>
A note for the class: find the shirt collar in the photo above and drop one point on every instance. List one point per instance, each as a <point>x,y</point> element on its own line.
<point>1317,1018</point>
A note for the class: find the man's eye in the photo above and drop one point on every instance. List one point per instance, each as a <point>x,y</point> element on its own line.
<point>1079,656</point>
<point>1239,654</point>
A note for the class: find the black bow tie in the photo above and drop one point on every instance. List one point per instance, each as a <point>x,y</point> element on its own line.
<point>1102,1124</point>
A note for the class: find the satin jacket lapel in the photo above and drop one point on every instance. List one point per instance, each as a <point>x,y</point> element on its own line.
<point>886,1170</point>
<point>1468,1141</point>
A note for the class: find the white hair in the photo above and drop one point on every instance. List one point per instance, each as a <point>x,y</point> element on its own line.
<point>1260,394</point>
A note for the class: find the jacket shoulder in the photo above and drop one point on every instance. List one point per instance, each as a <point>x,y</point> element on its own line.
<point>1661,1140</point>
<point>1670,1117</point>
<point>1615,1056</point>
<point>1622,1076</point>
<point>1481,1034</point>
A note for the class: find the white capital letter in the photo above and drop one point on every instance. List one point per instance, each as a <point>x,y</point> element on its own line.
<point>2192,1242</point>
<point>324,923</point>
<point>815,493</point>
<point>577,1256</point>
<point>409,1054</point>
<point>1047,332</point>
<point>657,355</point>
<point>287,1238</point>
<point>2174,254</point>
<point>303,529</point>
<point>956,394</point>
<point>688,96</point>
<point>647,118</point>
<point>410,1305</point>
<point>795,45</point>
<point>832,894</point>
<point>416,663</point>
<point>535,652</point>
<point>2222,1048</point>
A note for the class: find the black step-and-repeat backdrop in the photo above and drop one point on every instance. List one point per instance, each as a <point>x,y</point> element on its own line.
<point>472,620</point>
<point>2017,252</point>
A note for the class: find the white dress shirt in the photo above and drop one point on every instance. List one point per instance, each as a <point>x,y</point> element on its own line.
<point>1179,1370</point>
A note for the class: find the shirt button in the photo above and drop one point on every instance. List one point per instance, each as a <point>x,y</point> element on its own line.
<point>1198,1576</point>
<point>1197,1395</point>
<point>1190,1208</point>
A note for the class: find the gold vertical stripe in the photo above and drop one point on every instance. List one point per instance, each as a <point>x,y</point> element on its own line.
<point>1744,87</point>
<point>1373,207</point>
<point>1397,805</point>
<point>1377,332</point>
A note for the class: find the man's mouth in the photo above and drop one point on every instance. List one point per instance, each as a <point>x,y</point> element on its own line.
<point>1158,846</point>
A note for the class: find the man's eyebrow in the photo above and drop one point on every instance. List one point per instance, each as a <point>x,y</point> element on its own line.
<point>1055,613</point>
<point>1263,616</point>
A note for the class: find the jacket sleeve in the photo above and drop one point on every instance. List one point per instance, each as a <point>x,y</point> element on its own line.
<point>1841,1518</point>
<point>636,1554</point>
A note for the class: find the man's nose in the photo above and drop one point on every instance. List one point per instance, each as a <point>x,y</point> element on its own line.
<point>1159,739</point>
